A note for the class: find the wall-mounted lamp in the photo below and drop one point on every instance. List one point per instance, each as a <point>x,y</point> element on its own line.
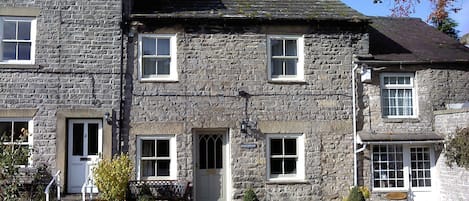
<point>247,126</point>
<point>108,118</point>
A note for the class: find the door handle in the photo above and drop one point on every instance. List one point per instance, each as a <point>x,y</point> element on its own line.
<point>85,159</point>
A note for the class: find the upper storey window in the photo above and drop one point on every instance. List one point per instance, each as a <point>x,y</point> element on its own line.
<point>17,35</point>
<point>285,62</point>
<point>157,57</point>
<point>398,95</point>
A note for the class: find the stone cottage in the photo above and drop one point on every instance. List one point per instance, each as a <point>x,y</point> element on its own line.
<point>245,94</point>
<point>59,75</point>
<point>410,85</point>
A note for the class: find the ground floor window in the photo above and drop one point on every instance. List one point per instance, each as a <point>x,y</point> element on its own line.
<point>156,157</point>
<point>395,167</point>
<point>16,134</point>
<point>285,156</point>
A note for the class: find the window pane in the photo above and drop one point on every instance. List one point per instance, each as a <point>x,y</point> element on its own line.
<point>219,151</point>
<point>9,30</point>
<point>277,67</point>
<point>276,147</point>
<point>149,46</point>
<point>20,131</point>
<point>24,51</point>
<point>148,168</point>
<point>203,153</point>
<point>290,67</point>
<point>5,131</point>
<point>24,30</point>
<point>163,66</point>
<point>149,66</point>
<point>163,46</point>
<point>290,146</point>
<point>23,160</point>
<point>290,165</point>
<point>275,166</point>
<point>163,167</point>
<point>77,145</point>
<point>148,148</point>
<point>211,153</point>
<point>163,148</point>
<point>9,51</point>
<point>92,139</point>
<point>277,47</point>
<point>291,48</point>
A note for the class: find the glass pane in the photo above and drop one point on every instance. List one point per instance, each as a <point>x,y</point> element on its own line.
<point>219,151</point>
<point>211,153</point>
<point>9,51</point>
<point>148,168</point>
<point>149,67</point>
<point>163,167</point>
<point>77,145</point>
<point>290,146</point>
<point>290,165</point>
<point>202,153</point>
<point>9,30</point>
<point>24,30</point>
<point>92,139</point>
<point>275,166</point>
<point>290,67</point>
<point>149,46</point>
<point>400,183</point>
<point>276,147</point>
<point>148,148</point>
<point>163,46</point>
<point>277,67</point>
<point>277,47</point>
<point>24,51</point>
<point>163,66</point>
<point>23,159</point>
<point>20,132</point>
<point>291,48</point>
<point>5,131</point>
<point>162,148</point>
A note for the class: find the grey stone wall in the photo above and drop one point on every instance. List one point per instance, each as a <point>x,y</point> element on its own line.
<point>76,65</point>
<point>454,181</point>
<point>216,62</point>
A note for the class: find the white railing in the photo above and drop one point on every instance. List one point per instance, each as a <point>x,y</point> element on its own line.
<point>56,179</point>
<point>88,184</point>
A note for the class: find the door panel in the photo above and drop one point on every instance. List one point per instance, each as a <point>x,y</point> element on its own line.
<point>84,149</point>
<point>421,182</point>
<point>210,167</point>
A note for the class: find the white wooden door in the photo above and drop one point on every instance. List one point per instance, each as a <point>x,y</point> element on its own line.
<point>422,179</point>
<point>84,150</point>
<point>210,172</point>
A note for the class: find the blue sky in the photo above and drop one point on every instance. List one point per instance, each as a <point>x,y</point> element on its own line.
<point>423,9</point>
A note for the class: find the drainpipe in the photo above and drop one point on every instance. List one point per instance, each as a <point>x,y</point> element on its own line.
<point>354,119</point>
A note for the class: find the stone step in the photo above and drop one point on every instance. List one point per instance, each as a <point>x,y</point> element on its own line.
<point>77,197</point>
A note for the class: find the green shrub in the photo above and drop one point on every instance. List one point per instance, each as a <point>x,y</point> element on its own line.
<point>355,195</point>
<point>249,195</point>
<point>10,156</point>
<point>457,149</point>
<point>112,177</point>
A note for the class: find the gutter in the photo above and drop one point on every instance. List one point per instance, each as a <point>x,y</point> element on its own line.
<point>410,62</point>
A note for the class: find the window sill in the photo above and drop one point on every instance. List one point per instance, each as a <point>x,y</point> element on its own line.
<point>401,120</point>
<point>158,80</point>
<point>18,66</point>
<point>290,181</point>
<point>280,81</point>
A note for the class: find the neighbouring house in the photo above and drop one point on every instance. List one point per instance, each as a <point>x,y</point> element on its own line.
<point>59,75</point>
<point>232,95</point>
<point>411,95</point>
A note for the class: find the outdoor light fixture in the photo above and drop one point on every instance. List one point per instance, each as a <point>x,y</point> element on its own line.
<point>108,118</point>
<point>247,126</point>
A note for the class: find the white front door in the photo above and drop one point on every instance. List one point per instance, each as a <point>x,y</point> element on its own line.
<point>84,149</point>
<point>421,174</point>
<point>210,167</point>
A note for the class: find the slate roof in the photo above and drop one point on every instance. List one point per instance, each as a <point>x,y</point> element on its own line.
<point>411,39</point>
<point>253,9</point>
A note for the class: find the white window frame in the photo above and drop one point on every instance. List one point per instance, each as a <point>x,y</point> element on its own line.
<point>32,40</point>
<point>407,168</point>
<point>173,74</point>
<point>172,157</point>
<point>300,163</point>
<point>411,86</point>
<point>30,137</point>
<point>299,77</point>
